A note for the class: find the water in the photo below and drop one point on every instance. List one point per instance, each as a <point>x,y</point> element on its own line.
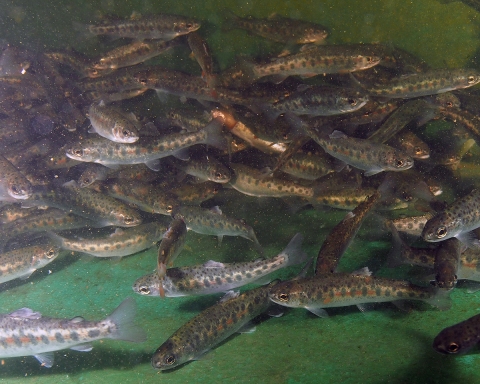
<point>382,346</point>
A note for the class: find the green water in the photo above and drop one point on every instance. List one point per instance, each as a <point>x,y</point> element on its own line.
<point>382,346</point>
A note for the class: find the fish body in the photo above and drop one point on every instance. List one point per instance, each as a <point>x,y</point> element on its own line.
<point>213,222</point>
<point>412,225</point>
<point>146,150</point>
<point>253,182</point>
<point>364,154</point>
<point>85,202</point>
<point>165,27</point>
<point>411,144</point>
<point>340,289</point>
<point>307,166</point>
<point>122,242</point>
<point>461,217</point>
<point>214,277</point>
<point>211,327</point>
<point>189,194</point>
<point>427,83</point>
<point>282,29</point>
<point>458,338</point>
<point>321,101</point>
<point>447,259</point>
<point>112,124</point>
<point>22,262</point>
<point>25,332</point>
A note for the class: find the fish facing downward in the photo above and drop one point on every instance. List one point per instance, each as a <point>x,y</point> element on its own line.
<point>24,332</point>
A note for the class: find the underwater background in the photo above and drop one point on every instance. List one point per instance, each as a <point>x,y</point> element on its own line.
<point>381,346</point>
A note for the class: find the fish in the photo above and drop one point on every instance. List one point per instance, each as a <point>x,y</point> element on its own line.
<point>371,157</point>
<point>131,54</point>
<point>14,212</point>
<point>412,225</point>
<point>145,150</point>
<point>113,124</point>
<point>213,277</point>
<point>92,173</point>
<point>253,182</point>
<point>459,338</point>
<point>203,55</point>
<point>213,222</point>
<point>14,185</point>
<point>340,237</point>
<point>457,220</point>
<point>163,26</point>
<point>281,29</point>
<point>446,264</point>
<point>21,263</point>
<point>85,202</point>
<point>308,166</point>
<point>319,101</point>
<point>172,243</point>
<point>210,327</point>
<point>187,194</point>
<point>25,332</point>
<point>427,83</point>
<point>122,242</point>
<point>342,289</point>
<point>411,144</point>
<point>204,168</point>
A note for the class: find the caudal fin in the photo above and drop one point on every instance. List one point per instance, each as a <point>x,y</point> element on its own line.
<point>123,318</point>
<point>294,251</point>
<point>214,135</point>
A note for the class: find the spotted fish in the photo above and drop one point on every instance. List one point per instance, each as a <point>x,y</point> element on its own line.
<point>25,332</point>
<point>211,327</point>
<point>213,277</point>
<point>458,338</point>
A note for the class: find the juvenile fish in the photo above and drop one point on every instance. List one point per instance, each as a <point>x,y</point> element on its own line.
<point>122,242</point>
<point>211,327</point>
<point>364,154</point>
<point>25,332</point>
<point>164,27</point>
<point>427,83</point>
<point>13,185</point>
<point>308,166</point>
<point>213,222</point>
<point>92,173</point>
<point>173,241</point>
<point>204,168</point>
<point>112,124</point>
<point>21,263</point>
<point>281,29</point>
<point>461,217</point>
<point>146,150</point>
<point>341,289</point>
<point>447,259</point>
<point>253,182</point>
<point>204,57</point>
<point>458,338</point>
<point>412,225</point>
<point>213,277</point>
<point>341,236</point>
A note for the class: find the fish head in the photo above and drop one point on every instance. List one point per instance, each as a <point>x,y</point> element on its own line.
<point>368,61</point>
<point>219,174</point>
<point>169,355</point>
<point>83,152</point>
<point>441,227</point>
<point>19,188</point>
<point>124,134</point>
<point>455,340</point>
<point>312,35</point>
<point>395,160</point>
<point>466,78</point>
<point>129,219</point>
<point>148,285</point>
<point>350,100</point>
<point>287,293</point>
<point>186,26</point>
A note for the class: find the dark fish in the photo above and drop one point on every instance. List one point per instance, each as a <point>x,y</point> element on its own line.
<point>458,338</point>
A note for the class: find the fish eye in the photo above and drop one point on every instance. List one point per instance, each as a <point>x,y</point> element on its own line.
<point>449,104</point>
<point>15,190</point>
<point>189,25</point>
<point>369,59</point>
<point>400,163</point>
<point>126,133</point>
<point>169,208</point>
<point>218,175</point>
<point>144,290</point>
<point>86,180</point>
<point>471,79</point>
<point>283,296</point>
<point>169,360</point>
<point>128,220</point>
<point>78,152</point>
<point>352,102</point>
<point>417,150</point>
<point>453,347</point>
<point>441,232</point>
<point>142,81</point>
<point>50,253</point>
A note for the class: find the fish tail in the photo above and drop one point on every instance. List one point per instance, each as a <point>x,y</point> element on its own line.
<point>123,317</point>
<point>394,258</point>
<point>440,298</point>
<point>214,136</point>
<point>294,251</point>
<point>83,30</point>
